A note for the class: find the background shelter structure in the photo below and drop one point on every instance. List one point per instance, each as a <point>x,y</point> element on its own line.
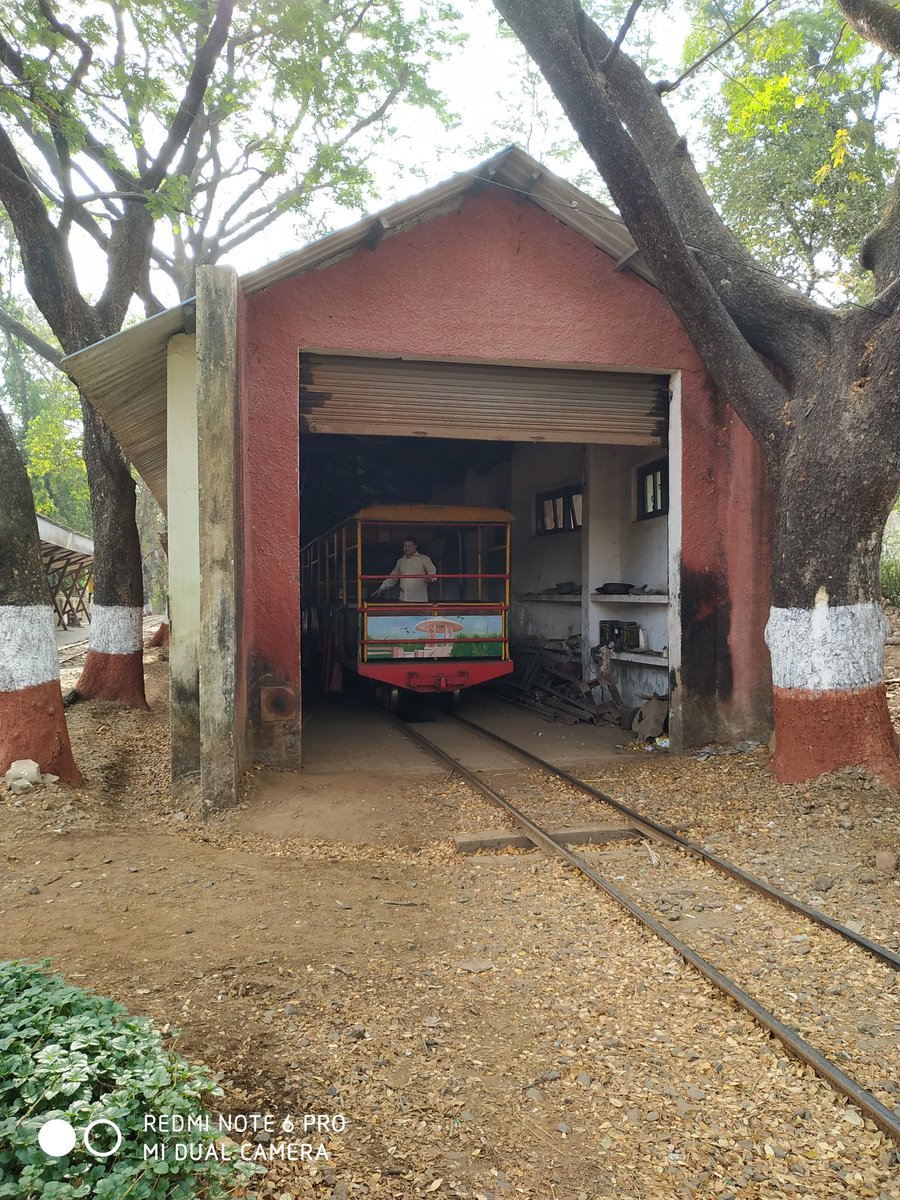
<point>68,559</point>
<point>494,340</point>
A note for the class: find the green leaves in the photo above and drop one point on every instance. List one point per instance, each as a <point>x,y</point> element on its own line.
<point>294,80</point>
<point>799,164</point>
<point>46,420</point>
<point>67,1054</point>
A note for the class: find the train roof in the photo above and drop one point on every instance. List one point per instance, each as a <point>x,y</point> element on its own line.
<point>437,514</point>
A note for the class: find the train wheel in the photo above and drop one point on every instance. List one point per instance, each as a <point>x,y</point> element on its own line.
<point>451,701</point>
<point>393,701</point>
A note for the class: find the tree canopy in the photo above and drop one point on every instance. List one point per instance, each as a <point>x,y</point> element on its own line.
<point>795,136</point>
<point>816,387</point>
<point>165,135</point>
<point>211,120</point>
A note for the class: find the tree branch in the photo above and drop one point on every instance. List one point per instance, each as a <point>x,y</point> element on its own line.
<point>880,251</point>
<point>665,86</point>
<point>549,33</point>
<point>102,155</point>
<point>120,62</point>
<point>876,21</point>
<point>776,319</point>
<point>66,31</point>
<point>49,270</point>
<point>36,343</point>
<point>204,64</point>
<point>620,36</point>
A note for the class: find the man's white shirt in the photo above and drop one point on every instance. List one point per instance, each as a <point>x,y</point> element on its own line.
<point>413,573</point>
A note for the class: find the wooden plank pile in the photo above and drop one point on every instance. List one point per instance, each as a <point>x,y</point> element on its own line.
<point>550,682</point>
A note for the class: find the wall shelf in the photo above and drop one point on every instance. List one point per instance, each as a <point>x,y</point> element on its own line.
<point>640,598</point>
<point>645,660</point>
<point>548,599</point>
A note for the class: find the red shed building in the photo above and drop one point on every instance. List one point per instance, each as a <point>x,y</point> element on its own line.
<point>498,340</point>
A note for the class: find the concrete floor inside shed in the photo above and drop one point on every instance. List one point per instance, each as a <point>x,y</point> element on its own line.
<point>356,762</point>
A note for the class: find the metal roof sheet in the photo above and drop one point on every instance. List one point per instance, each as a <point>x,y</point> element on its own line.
<point>124,376</point>
<point>60,537</point>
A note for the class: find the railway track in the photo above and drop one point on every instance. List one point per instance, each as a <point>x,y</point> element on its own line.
<point>885,1118</point>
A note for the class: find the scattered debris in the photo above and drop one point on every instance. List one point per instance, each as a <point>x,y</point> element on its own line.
<point>650,719</point>
<point>24,774</point>
<point>741,748</point>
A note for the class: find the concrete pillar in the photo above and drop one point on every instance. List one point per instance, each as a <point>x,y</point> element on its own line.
<point>184,555</point>
<point>222,728</point>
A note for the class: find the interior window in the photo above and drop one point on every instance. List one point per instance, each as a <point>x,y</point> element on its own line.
<point>559,510</point>
<point>653,489</point>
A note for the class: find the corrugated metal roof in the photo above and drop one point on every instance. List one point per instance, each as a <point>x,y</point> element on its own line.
<point>61,537</point>
<point>416,398</point>
<point>511,168</point>
<point>124,376</point>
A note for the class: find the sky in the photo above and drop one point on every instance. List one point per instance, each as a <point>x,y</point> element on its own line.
<point>483,83</point>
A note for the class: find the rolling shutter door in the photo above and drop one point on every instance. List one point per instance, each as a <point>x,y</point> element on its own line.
<point>405,398</point>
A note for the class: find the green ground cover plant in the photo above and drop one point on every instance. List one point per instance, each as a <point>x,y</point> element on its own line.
<point>68,1054</point>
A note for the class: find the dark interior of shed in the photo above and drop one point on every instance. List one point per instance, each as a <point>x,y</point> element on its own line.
<point>340,474</point>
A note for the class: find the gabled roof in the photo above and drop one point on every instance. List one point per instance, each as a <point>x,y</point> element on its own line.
<point>124,376</point>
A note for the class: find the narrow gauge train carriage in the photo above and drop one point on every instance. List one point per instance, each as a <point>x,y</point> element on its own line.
<point>457,638</point>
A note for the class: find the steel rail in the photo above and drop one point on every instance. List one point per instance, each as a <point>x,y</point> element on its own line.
<point>793,1043</point>
<point>664,833</point>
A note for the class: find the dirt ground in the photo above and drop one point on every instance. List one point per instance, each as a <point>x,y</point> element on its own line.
<point>488,1025</point>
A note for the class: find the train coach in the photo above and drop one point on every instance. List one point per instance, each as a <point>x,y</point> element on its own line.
<point>453,636</point>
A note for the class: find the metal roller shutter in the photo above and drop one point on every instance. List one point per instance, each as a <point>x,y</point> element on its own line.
<point>405,398</point>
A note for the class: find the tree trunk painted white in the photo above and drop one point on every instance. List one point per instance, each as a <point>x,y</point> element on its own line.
<point>114,666</point>
<point>828,690</point>
<point>32,718</point>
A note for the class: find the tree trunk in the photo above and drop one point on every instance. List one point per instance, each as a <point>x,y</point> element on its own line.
<point>114,667</point>
<point>827,418</point>
<point>160,639</point>
<point>834,488</point>
<point>32,718</point>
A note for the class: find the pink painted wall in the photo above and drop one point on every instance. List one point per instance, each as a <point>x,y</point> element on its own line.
<point>494,280</point>
<point>725,569</point>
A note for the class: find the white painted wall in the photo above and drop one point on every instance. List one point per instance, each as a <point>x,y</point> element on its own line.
<point>183,496</point>
<point>613,546</point>
<point>541,561</point>
<point>617,548</point>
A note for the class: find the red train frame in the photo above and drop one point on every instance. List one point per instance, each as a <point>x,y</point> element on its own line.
<point>457,639</point>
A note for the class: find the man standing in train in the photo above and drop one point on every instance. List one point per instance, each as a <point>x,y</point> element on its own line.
<point>414,571</point>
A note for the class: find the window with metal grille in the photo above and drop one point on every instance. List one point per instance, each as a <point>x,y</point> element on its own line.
<point>559,510</point>
<point>653,489</point>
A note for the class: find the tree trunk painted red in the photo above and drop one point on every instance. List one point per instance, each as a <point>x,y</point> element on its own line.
<point>33,725</point>
<point>818,732</point>
<point>160,637</point>
<point>32,717</point>
<point>816,386</point>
